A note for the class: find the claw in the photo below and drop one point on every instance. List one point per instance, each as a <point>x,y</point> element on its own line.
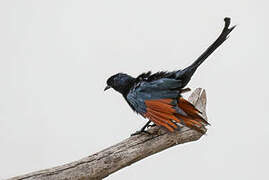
<point>140,132</point>
<point>151,125</point>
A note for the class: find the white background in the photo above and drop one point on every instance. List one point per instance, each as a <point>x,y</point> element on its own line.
<point>56,55</point>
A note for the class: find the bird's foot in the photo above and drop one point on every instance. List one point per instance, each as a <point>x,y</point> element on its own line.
<point>151,125</point>
<point>140,132</point>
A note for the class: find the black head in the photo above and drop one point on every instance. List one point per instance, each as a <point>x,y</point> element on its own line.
<point>120,82</point>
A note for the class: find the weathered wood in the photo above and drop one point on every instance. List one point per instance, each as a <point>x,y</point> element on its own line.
<point>125,153</point>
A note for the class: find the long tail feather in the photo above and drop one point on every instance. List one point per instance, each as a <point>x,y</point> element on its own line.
<point>187,73</point>
<point>222,37</point>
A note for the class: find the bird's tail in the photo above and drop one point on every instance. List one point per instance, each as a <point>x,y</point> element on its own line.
<point>187,73</point>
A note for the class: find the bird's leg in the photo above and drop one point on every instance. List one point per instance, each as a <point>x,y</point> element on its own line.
<point>151,125</point>
<point>142,130</point>
<point>145,126</point>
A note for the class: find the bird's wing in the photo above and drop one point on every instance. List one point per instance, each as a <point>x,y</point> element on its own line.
<point>160,102</point>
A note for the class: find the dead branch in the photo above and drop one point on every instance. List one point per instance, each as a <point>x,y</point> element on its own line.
<point>125,153</point>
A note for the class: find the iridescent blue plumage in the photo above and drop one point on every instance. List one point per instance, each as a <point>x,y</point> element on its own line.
<point>158,96</point>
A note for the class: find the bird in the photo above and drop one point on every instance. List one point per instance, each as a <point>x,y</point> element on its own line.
<point>158,96</point>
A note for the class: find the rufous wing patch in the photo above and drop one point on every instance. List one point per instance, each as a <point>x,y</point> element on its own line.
<point>161,112</point>
<point>193,118</point>
<point>166,113</point>
<point>191,111</point>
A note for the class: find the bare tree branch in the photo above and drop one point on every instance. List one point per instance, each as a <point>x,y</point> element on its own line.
<point>125,153</point>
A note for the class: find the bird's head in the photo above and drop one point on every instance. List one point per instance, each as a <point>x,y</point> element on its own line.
<point>120,82</point>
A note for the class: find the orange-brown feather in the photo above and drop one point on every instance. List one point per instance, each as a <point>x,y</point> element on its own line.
<point>159,121</point>
<point>162,112</point>
<point>191,123</point>
<point>164,115</point>
<point>160,105</point>
<point>191,111</point>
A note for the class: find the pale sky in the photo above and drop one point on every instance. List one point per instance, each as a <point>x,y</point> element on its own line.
<point>56,55</point>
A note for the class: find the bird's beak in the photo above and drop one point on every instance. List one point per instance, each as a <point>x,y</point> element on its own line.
<point>107,87</point>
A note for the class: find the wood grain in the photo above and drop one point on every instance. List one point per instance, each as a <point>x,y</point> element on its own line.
<point>125,153</point>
